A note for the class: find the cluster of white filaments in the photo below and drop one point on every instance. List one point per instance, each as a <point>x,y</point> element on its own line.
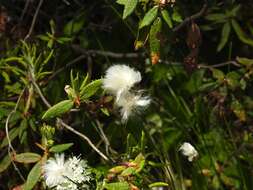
<point>118,81</point>
<point>188,150</point>
<point>64,174</point>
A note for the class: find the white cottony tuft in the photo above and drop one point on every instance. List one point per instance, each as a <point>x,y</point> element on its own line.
<point>119,78</point>
<point>129,102</point>
<point>188,150</point>
<point>54,170</point>
<point>66,175</point>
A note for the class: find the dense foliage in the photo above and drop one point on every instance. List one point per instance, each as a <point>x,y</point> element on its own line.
<point>196,65</point>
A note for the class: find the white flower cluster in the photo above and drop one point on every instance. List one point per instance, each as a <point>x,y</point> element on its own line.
<point>118,80</point>
<point>188,150</point>
<point>64,174</point>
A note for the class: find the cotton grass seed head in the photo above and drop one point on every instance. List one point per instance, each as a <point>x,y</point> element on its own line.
<point>130,103</point>
<point>119,78</point>
<point>188,150</point>
<point>68,174</point>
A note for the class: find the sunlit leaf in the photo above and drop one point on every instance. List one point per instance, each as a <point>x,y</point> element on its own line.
<point>149,17</point>
<point>58,109</point>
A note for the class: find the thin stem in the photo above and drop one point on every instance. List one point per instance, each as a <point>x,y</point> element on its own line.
<point>34,20</point>
<point>10,147</point>
<point>84,137</point>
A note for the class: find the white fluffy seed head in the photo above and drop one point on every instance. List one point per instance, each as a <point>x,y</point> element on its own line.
<point>54,170</point>
<point>119,78</point>
<point>188,150</point>
<point>129,103</point>
<point>65,175</point>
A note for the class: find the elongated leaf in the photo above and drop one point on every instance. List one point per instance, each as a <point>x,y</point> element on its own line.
<point>27,157</point>
<point>154,41</point>
<point>4,163</point>
<point>121,2</point>
<point>117,186</point>
<point>129,7</point>
<point>158,184</point>
<point>13,133</point>
<point>60,147</point>
<point>224,35</point>
<point>167,18</point>
<point>241,34</point>
<point>245,61</point>
<point>216,17</point>
<point>90,89</point>
<point>149,17</point>
<point>58,109</point>
<point>33,177</point>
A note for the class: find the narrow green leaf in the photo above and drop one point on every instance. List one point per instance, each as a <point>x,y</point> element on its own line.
<point>27,157</point>
<point>33,176</point>
<point>176,16</point>
<point>241,34</point>
<point>4,163</point>
<point>90,89</point>
<point>84,81</point>
<point>167,18</point>
<point>60,147</point>
<point>158,184</point>
<point>245,61</point>
<point>13,133</point>
<point>117,186</point>
<point>149,17</point>
<point>224,36</point>
<point>122,2</point>
<point>58,109</point>
<point>154,41</point>
<point>216,17</point>
<point>129,7</point>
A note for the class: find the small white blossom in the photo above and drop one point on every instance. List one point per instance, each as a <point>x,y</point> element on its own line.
<point>119,78</point>
<point>189,151</point>
<point>66,175</point>
<point>129,102</point>
<point>54,170</point>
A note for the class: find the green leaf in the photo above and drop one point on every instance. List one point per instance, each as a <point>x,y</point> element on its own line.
<point>13,133</point>
<point>84,81</point>
<point>167,18</point>
<point>58,109</point>
<point>90,89</point>
<point>74,26</point>
<point>149,17</point>
<point>130,5</point>
<point>27,157</point>
<point>218,74</point>
<point>216,17</point>
<point>105,111</point>
<point>121,2</point>
<point>158,184</point>
<point>117,186</point>
<point>241,34</point>
<point>60,147</point>
<point>4,163</point>
<point>176,16</point>
<point>245,61</point>
<point>224,35</point>
<point>154,41</point>
<point>238,110</point>
<point>233,79</point>
<point>33,176</point>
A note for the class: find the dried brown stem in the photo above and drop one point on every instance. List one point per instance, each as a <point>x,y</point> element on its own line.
<point>190,18</point>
